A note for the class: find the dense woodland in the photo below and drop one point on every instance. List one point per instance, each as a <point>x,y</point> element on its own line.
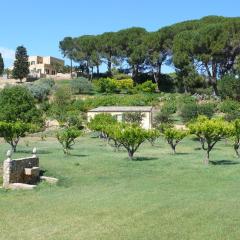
<point>200,51</point>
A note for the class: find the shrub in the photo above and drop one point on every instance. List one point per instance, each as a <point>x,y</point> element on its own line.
<point>62,100</point>
<point>81,85</point>
<point>41,89</point>
<point>189,111</point>
<point>228,106</point>
<point>229,86</point>
<point>147,86</point>
<point>133,117</point>
<point>206,109</point>
<point>169,107</point>
<point>235,134</point>
<point>125,84</point>
<point>115,100</point>
<point>107,85</point>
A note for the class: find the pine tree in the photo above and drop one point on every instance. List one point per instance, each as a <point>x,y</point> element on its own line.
<point>21,68</point>
<point>1,65</point>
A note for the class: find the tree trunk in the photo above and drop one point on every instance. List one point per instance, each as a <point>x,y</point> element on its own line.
<point>71,68</point>
<point>236,148</point>
<point>109,67</point>
<point>206,161</point>
<point>174,148</point>
<point>97,70</point>
<point>130,154</point>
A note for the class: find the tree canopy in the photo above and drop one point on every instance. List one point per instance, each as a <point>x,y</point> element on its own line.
<point>208,47</point>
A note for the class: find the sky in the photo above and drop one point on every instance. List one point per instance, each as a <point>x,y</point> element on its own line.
<point>39,25</point>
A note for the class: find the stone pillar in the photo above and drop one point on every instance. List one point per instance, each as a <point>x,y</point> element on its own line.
<point>7,165</point>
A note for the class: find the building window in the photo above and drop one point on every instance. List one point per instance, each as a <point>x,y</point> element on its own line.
<point>53,72</point>
<point>47,71</point>
<point>33,63</point>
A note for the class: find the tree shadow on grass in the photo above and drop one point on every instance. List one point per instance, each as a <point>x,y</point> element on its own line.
<point>224,162</point>
<point>145,159</point>
<point>30,151</point>
<point>78,155</point>
<point>181,153</point>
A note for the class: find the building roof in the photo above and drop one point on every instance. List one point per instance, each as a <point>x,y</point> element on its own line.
<point>123,109</point>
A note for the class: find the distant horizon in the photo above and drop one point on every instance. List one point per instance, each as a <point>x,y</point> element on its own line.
<point>41,29</point>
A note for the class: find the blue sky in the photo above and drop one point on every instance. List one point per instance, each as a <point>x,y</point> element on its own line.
<point>40,24</point>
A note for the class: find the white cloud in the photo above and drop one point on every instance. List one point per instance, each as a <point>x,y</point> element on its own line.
<point>7,53</point>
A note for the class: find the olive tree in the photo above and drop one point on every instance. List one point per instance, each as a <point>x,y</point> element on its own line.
<point>174,136</point>
<point>209,132</point>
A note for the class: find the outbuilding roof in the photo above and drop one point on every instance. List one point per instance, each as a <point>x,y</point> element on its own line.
<point>123,109</point>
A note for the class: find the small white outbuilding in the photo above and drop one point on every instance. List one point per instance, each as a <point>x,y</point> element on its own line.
<point>119,111</point>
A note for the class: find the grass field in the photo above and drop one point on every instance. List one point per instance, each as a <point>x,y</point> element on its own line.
<point>103,195</point>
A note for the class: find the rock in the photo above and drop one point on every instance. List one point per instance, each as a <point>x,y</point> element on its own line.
<point>51,180</point>
<point>22,186</point>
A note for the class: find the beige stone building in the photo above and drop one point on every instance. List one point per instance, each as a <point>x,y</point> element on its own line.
<point>42,66</point>
<point>119,111</point>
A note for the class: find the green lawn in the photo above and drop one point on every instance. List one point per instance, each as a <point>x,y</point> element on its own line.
<point>103,195</point>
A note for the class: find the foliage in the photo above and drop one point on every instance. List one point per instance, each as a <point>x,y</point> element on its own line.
<point>115,100</point>
<point>133,117</point>
<point>81,85</point>
<point>206,109</point>
<point>130,137</point>
<point>235,134</point>
<point>21,68</point>
<point>229,87</point>
<point>189,111</point>
<point>209,132</point>
<point>231,109</point>
<point>17,104</point>
<point>228,106</point>
<point>147,86</point>
<point>107,85</point>
<point>62,100</point>
<point>12,132</point>
<point>66,138</point>
<point>125,84</point>
<point>153,135</point>
<point>100,123</point>
<point>174,136</point>
<point>41,89</point>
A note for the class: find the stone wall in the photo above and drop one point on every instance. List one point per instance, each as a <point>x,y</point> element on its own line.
<point>23,170</point>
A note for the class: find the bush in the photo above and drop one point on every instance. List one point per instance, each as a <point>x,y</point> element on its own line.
<point>228,106</point>
<point>229,86</point>
<point>125,84</point>
<point>189,111</point>
<point>81,85</point>
<point>147,86</point>
<point>41,89</point>
<point>133,117</point>
<point>169,107</point>
<point>106,85</point>
<point>115,100</point>
<point>206,109</point>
